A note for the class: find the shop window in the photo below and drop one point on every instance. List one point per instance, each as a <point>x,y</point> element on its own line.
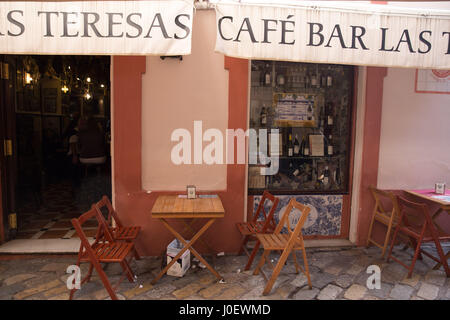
<point>311,106</point>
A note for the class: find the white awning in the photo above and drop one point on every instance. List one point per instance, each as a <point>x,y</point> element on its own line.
<point>341,32</point>
<point>146,27</point>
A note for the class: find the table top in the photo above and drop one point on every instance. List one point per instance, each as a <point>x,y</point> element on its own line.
<point>429,194</point>
<point>173,206</point>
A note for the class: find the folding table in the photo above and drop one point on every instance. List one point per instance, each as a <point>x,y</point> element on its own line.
<point>180,208</point>
<point>443,200</point>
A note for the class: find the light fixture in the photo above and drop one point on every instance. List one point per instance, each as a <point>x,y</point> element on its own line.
<point>87,96</point>
<point>28,78</point>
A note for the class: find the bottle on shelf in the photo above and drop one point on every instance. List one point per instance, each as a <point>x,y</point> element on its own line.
<point>326,176</point>
<point>290,147</point>
<point>330,145</point>
<point>267,76</point>
<point>329,77</point>
<point>296,146</point>
<point>263,116</point>
<point>337,176</point>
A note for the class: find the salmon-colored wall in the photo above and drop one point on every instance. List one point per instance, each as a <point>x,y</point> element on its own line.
<point>131,202</point>
<point>371,147</point>
<point>176,94</point>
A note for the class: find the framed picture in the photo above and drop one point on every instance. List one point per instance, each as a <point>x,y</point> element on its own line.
<point>295,109</point>
<point>432,81</point>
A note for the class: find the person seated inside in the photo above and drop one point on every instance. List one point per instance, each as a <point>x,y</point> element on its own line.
<point>91,142</point>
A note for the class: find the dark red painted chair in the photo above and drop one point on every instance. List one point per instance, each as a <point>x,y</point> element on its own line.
<point>119,231</point>
<point>415,222</point>
<point>103,250</point>
<point>255,225</point>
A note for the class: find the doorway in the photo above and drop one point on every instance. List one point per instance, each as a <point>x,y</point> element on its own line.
<point>56,123</point>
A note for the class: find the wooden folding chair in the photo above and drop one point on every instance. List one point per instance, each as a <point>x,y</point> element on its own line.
<point>288,243</point>
<point>387,217</point>
<point>416,223</point>
<point>119,231</point>
<point>255,225</point>
<point>103,250</point>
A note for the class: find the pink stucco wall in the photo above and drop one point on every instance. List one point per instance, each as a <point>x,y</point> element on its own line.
<point>176,94</point>
<point>415,135</point>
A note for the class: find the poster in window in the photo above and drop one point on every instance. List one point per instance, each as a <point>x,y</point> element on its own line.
<point>432,81</point>
<point>295,110</point>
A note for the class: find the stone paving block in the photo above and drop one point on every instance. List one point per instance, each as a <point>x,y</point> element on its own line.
<point>64,296</point>
<point>333,269</point>
<point>159,291</point>
<point>436,277</point>
<point>428,291</point>
<point>285,291</point>
<point>213,290</point>
<point>344,280</point>
<point>321,280</point>
<point>138,290</point>
<point>17,278</point>
<point>355,292</point>
<point>32,291</point>
<point>401,292</point>
<point>413,281</point>
<point>59,267</point>
<point>355,269</point>
<point>330,292</point>
<point>231,293</point>
<point>187,291</point>
<point>383,292</point>
<point>56,291</point>
<point>306,294</point>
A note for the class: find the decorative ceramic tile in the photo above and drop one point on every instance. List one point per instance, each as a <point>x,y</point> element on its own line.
<point>323,219</point>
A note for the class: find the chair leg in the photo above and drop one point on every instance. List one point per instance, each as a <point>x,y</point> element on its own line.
<point>416,255</point>
<point>243,243</point>
<point>386,240</point>
<point>442,257</point>
<point>252,255</point>
<point>305,264</point>
<point>294,257</point>
<point>276,271</point>
<point>261,262</point>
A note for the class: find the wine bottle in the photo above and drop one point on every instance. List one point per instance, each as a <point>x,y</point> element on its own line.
<point>337,175</point>
<point>267,76</point>
<point>306,149</point>
<point>326,176</point>
<point>290,147</point>
<point>296,146</point>
<point>330,145</point>
<point>263,116</point>
<point>329,77</point>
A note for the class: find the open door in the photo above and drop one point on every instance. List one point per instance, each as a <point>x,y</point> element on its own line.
<point>8,154</point>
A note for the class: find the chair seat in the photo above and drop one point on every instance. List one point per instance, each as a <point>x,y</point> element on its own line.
<point>277,241</point>
<point>109,252</point>
<point>415,233</point>
<point>249,228</point>
<point>125,233</point>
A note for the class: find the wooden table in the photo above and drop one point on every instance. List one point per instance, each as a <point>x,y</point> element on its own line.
<point>181,208</point>
<point>444,206</point>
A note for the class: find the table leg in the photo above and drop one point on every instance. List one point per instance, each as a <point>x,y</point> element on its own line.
<point>187,245</point>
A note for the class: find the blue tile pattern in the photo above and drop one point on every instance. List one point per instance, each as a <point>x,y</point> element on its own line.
<point>325,215</point>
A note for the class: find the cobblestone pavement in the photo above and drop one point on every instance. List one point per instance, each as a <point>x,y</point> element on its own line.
<point>336,273</point>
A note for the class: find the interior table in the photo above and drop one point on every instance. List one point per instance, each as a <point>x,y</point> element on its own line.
<point>443,202</point>
<point>180,208</point>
